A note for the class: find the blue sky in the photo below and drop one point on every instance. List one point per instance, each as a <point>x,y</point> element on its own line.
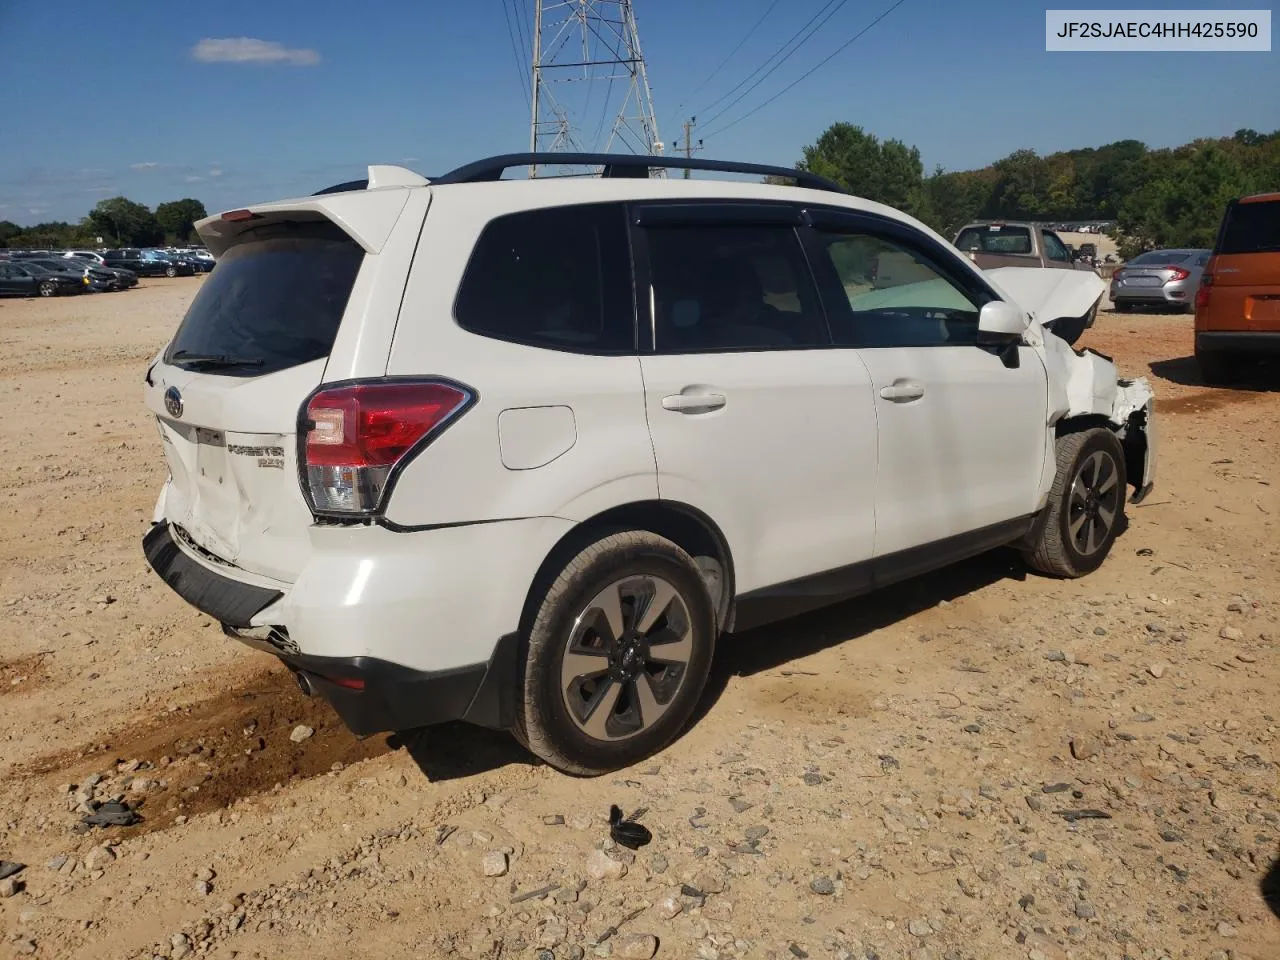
<point>124,99</point>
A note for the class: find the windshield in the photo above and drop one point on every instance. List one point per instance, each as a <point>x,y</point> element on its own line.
<point>275,301</point>
<point>994,239</point>
<point>1252,227</point>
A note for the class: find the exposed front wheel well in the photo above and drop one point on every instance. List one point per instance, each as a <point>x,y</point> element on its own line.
<point>689,528</point>
<point>1081,423</point>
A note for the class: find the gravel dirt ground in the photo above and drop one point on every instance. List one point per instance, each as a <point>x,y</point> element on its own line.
<point>898,777</point>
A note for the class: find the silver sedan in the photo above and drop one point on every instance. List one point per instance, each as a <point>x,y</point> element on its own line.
<point>1159,278</point>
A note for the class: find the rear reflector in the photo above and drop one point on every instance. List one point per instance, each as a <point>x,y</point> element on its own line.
<point>357,434</point>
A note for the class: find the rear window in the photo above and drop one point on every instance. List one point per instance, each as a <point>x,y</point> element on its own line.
<point>1157,256</point>
<point>1251,228</point>
<point>275,302</point>
<point>994,239</point>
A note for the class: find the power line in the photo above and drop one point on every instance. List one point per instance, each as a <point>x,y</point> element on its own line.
<point>515,52</point>
<point>721,112</point>
<point>713,73</point>
<point>819,65</point>
<point>768,60</point>
<point>522,35</point>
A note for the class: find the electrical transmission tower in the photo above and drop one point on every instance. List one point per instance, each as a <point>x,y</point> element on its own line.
<point>588,71</point>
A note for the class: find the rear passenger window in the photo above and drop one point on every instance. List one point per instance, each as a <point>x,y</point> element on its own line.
<point>731,288</point>
<point>558,278</point>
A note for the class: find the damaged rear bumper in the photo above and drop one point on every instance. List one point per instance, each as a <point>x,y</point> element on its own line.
<point>369,694</point>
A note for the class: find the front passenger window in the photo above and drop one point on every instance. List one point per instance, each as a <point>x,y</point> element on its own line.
<point>896,298</point>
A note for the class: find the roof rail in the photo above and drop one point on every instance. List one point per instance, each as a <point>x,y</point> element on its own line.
<point>625,165</point>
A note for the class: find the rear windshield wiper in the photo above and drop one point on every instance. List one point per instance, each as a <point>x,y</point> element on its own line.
<point>207,360</point>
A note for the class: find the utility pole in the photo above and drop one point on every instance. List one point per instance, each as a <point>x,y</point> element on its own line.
<point>588,70</point>
<point>688,148</point>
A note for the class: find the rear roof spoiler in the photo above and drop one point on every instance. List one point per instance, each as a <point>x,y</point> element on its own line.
<point>367,214</point>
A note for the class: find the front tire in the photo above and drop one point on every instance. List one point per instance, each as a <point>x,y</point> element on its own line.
<point>618,655</point>
<point>1085,511</point>
<point>48,289</point>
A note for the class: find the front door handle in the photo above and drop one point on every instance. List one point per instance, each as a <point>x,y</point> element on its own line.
<point>903,392</point>
<point>693,402</point>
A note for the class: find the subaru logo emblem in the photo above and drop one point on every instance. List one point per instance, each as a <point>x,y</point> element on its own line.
<point>173,402</point>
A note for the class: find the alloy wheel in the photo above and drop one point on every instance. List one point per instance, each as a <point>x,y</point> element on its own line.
<point>1094,502</point>
<point>626,657</point>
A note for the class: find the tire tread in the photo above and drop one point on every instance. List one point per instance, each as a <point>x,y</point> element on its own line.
<point>1050,554</point>
<point>530,728</point>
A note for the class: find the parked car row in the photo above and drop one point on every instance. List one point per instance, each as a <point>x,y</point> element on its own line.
<point>51,273</point>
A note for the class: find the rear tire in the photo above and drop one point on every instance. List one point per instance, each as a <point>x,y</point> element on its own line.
<point>1085,511</point>
<point>171,271</point>
<point>618,655</point>
<point>1217,368</point>
<point>48,289</point>
<point>1122,306</point>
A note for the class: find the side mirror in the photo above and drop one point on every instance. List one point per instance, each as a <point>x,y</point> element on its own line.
<point>1000,322</point>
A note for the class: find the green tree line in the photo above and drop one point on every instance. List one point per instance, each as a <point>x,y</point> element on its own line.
<point>118,221</point>
<point>1171,197</point>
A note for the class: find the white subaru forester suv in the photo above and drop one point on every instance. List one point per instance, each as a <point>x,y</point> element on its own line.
<point>521,451</point>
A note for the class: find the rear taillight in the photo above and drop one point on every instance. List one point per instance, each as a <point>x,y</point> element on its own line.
<point>1117,275</point>
<point>1202,293</point>
<point>1178,274</point>
<point>356,435</point>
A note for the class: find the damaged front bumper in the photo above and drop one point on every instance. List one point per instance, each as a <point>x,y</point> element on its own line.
<point>1139,434</point>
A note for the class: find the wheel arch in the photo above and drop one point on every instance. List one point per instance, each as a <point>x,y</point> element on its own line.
<point>1080,423</point>
<point>686,526</point>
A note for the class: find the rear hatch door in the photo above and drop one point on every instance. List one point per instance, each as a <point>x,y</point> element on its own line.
<point>1245,268</point>
<point>227,390</point>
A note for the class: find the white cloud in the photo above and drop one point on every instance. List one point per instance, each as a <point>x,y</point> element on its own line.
<point>146,165</point>
<point>252,50</point>
<point>195,179</point>
<point>215,172</point>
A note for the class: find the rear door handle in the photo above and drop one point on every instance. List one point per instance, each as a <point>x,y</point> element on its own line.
<point>693,402</point>
<point>902,392</point>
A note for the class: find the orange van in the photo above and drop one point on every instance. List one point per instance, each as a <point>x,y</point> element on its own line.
<point>1238,303</point>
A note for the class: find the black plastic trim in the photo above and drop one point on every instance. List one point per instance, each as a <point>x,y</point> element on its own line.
<point>396,698</point>
<point>1251,341</point>
<point>229,601</point>
<point>620,165</point>
<point>768,604</point>
<point>305,424</point>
